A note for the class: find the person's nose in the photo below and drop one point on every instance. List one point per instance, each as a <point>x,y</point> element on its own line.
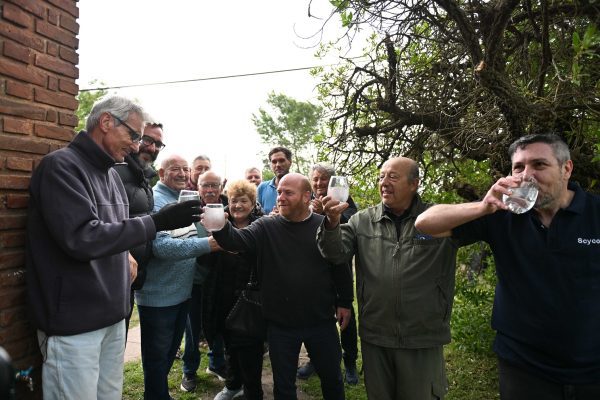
<point>135,147</point>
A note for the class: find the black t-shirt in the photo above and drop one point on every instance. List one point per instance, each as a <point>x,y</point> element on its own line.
<point>547,304</point>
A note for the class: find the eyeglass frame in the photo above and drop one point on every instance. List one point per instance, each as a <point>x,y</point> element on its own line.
<point>157,143</point>
<point>134,135</point>
<point>211,185</point>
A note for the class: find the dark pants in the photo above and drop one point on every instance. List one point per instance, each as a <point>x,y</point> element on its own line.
<point>323,344</point>
<point>161,330</point>
<point>244,363</point>
<point>350,341</point>
<point>193,334</point>
<point>519,384</point>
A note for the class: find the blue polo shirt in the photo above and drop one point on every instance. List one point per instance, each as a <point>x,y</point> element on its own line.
<point>547,305</point>
<point>267,195</point>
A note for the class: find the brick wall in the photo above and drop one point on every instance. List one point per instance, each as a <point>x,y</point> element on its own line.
<point>38,69</point>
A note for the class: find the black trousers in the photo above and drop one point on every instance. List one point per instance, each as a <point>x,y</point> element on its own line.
<point>519,384</point>
<point>323,344</point>
<point>244,359</point>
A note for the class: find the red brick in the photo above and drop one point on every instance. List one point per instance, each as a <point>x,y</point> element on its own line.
<point>21,72</point>
<point>51,116</point>
<point>54,33</point>
<point>24,145</point>
<point>68,5</point>
<point>22,36</point>
<point>14,182</point>
<point>19,164</point>
<point>17,52</point>
<point>16,201</point>
<point>13,259</point>
<point>33,6</point>
<point>69,23</point>
<point>16,15</point>
<point>53,16</point>
<point>14,277</point>
<point>51,132</point>
<point>19,89</point>
<point>68,119</point>
<point>68,87</point>
<point>56,65</point>
<point>52,48</point>
<point>12,298</point>
<point>55,99</point>
<point>13,222</point>
<point>11,315</point>
<point>52,83</point>
<point>21,110</point>
<point>22,126</point>
<point>69,55</point>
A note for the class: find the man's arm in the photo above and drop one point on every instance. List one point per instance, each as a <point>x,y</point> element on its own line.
<point>242,240</point>
<point>439,220</point>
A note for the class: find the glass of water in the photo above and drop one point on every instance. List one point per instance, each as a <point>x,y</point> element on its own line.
<point>523,197</point>
<point>186,195</point>
<point>214,217</point>
<point>338,189</point>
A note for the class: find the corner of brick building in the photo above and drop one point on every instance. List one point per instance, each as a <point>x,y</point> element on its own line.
<point>38,72</point>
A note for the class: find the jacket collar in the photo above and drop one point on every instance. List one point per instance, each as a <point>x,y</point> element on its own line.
<point>416,207</point>
<point>91,151</point>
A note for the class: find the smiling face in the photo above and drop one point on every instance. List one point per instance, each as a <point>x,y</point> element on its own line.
<point>240,207</point>
<point>538,160</point>
<point>117,141</point>
<point>319,181</point>
<point>148,153</point>
<point>396,187</point>
<point>174,173</point>
<point>293,197</point>
<point>209,187</point>
<point>280,165</point>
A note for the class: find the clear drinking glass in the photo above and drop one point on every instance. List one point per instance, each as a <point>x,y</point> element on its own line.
<point>186,195</point>
<point>338,189</point>
<point>214,217</point>
<point>523,197</point>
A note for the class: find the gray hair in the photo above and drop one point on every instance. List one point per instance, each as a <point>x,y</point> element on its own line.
<point>202,157</point>
<point>323,168</point>
<point>120,107</point>
<point>559,147</point>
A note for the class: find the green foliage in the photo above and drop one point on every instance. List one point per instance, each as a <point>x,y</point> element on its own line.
<point>585,48</point>
<point>86,101</point>
<point>293,124</point>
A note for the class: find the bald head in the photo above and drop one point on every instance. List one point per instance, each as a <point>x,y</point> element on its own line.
<point>293,197</point>
<point>398,183</point>
<point>174,172</point>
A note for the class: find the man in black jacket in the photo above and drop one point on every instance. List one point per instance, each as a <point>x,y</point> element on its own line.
<point>136,173</point>
<point>290,267</point>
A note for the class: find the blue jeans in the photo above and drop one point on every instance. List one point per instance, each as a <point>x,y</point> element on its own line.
<point>323,344</point>
<point>161,330</point>
<point>84,366</point>
<point>193,331</point>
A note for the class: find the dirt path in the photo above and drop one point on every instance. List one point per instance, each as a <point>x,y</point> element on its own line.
<point>132,353</point>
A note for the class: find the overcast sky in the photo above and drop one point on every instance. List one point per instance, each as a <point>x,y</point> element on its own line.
<point>146,41</point>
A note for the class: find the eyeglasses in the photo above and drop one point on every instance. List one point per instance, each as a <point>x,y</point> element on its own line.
<point>133,134</point>
<point>149,141</point>
<point>210,185</point>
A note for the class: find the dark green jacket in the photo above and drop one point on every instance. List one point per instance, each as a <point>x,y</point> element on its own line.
<point>405,286</point>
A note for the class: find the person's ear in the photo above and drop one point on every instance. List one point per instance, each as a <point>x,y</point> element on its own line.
<point>105,120</point>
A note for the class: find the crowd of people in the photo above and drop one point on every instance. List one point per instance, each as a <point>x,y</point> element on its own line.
<point>114,240</point>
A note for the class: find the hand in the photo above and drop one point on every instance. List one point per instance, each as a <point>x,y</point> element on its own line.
<point>214,246</point>
<point>493,198</point>
<point>333,210</point>
<point>177,215</point>
<point>317,205</point>
<point>133,267</point>
<point>343,317</point>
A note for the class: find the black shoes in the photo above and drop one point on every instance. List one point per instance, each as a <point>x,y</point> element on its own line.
<point>188,383</point>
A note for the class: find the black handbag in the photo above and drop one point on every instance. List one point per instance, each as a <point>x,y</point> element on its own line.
<point>246,317</point>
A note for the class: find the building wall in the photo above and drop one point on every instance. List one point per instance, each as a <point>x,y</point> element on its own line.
<point>38,69</point>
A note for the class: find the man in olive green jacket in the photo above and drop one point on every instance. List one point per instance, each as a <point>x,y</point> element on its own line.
<point>405,286</point>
